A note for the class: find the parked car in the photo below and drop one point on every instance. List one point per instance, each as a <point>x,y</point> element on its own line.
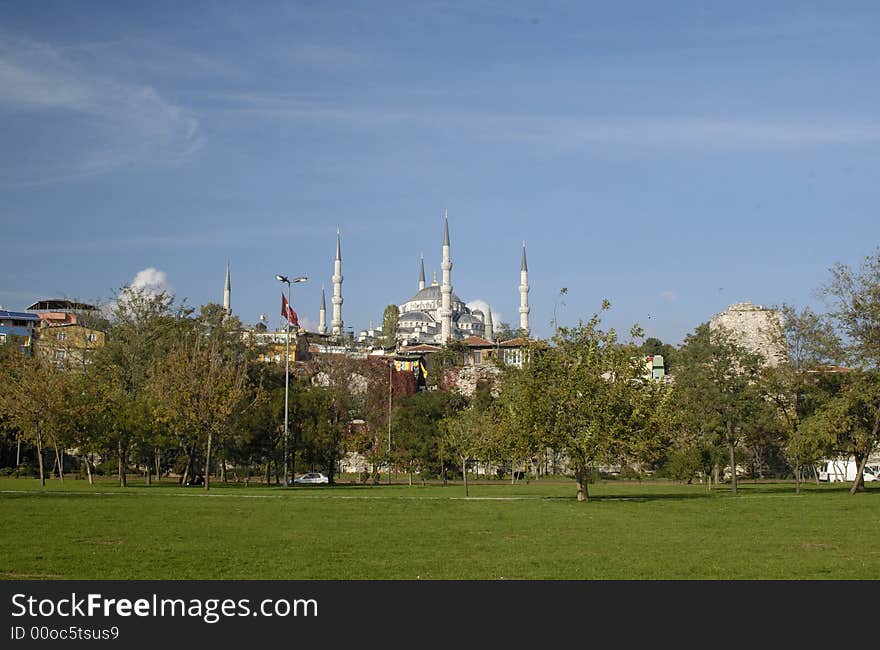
<point>311,477</point>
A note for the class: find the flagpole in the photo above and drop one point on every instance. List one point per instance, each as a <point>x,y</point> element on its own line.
<point>286,384</point>
<point>287,310</point>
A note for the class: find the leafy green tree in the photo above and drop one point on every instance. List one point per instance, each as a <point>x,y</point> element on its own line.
<point>465,437</point>
<point>796,389</point>
<point>418,430</point>
<point>854,297</point>
<point>588,396</point>
<point>144,326</point>
<point>389,325</point>
<point>199,390</point>
<point>716,388</point>
<point>32,400</point>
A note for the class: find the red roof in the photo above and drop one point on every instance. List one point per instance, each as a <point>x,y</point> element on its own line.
<point>515,343</point>
<point>477,342</point>
<point>421,348</point>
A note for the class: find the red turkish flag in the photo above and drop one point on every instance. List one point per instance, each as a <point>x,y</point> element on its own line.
<point>287,311</point>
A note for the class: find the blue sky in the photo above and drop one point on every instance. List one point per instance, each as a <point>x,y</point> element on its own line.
<point>671,157</point>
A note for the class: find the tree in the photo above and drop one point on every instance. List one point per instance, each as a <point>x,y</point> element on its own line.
<point>465,436</point>
<point>32,399</point>
<point>389,325</point>
<point>199,390</point>
<point>144,326</point>
<point>795,387</point>
<point>716,389</point>
<point>588,397</point>
<point>418,429</point>
<point>854,296</point>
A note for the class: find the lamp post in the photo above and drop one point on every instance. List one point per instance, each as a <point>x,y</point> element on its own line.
<point>283,278</point>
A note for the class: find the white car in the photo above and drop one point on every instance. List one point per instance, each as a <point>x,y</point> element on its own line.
<point>312,477</point>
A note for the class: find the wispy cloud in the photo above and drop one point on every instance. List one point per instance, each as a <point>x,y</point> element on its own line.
<point>669,296</point>
<point>561,130</point>
<point>104,123</point>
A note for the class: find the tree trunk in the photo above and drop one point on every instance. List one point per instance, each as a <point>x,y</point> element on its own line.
<point>17,454</point>
<point>859,483</point>
<point>149,472</point>
<point>208,463</point>
<point>89,470</point>
<point>40,456</point>
<point>731,448</point>
<point>464,474</point>
<point>121,458</point>
<point>583,493</point>
<point>59,458</point>
<point>797,478</point>
<point>186,468</point>
<point>158,459</point>
<point>269,472</point>
<point>716,471</point>
<point>223,468</point>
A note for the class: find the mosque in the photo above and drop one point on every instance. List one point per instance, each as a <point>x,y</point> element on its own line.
<point>435,314</point>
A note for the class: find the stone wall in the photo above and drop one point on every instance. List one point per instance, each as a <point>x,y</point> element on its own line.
<point>755,327</point>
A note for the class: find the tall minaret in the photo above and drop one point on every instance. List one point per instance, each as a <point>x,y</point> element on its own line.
<point>322,314</point>
<point>227,293</point>
<point>422,275</point>
<point>336,323</point>
<point>446,286</point>
<point>524,293</point>
<point>490,330</point>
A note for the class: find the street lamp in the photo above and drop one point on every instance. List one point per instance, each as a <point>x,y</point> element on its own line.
<point>283,278</point>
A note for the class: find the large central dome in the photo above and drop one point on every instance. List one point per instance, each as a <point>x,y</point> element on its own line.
<point>431,293</point>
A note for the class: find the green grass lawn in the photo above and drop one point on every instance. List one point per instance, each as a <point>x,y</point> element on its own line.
<point>628,530</point>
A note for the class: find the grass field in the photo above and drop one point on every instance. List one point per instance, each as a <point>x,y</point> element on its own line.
<point>538,530</point>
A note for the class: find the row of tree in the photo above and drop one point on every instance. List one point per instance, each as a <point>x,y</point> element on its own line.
<point>173,390</point>
<point>586,394</point>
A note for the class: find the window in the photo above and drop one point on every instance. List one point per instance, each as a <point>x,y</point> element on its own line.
<point>3,338</point>
<point>93,338</point>
<point>60,355</point>
<point>60,336</point>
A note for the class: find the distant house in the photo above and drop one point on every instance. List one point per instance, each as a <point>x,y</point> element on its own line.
<point>17,328</point>
<point>62,337</point>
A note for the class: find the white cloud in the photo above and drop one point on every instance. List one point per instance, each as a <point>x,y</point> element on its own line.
<point>150,280</point>
<point>669,295</point>
<point>483,306</point>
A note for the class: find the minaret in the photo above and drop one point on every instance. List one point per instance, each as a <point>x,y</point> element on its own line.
<point>227,293</point>
<point>524,294</point>
<point>336,323</point>
<point>446,287</point>
<point>422,274</point>
<point>434,282</point>
<point>490,330</point>
<point>322,314</point>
